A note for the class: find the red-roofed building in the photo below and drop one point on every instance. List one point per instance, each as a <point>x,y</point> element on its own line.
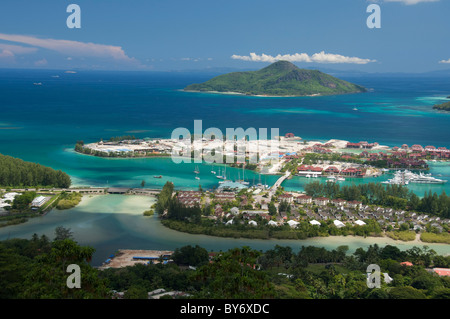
<point>442,271</point>
<point>353,145</point>
<point>331,170</point>
<point>305,169</point>
<point>304,199</point>
<point>407,263</point>
<point>286,197</point>
<point>417,147</point>
<point>353,172</point>
<point>321,201</point>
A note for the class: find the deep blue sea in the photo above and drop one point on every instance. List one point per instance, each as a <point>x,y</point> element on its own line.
<point>41,123</point>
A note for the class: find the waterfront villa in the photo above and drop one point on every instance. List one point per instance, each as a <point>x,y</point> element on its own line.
<point>286,197</point>
<point>304,199</point>
<point>321,201</point>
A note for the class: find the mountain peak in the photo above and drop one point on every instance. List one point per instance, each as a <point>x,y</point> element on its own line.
<point>281,66</point>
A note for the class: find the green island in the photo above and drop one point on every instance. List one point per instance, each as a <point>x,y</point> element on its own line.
<point>36,268</point>
<point>27,190</point>
<point>281,78</point>
<point>325,210</point>
<point>442,107</point>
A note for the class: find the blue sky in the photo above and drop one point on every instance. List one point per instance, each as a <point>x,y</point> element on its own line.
<point>183,35</point>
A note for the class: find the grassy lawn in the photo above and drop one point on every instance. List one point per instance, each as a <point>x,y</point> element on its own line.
<point>435,238</point>
<point>406,235</point>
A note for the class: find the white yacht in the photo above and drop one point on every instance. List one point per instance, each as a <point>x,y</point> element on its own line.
<point>406,177</point>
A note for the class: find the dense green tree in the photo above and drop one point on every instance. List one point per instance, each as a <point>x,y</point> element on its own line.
<point>406,293</point>
<point>15,172</point>
<point>22,202</point>
<point>189,255</point>
<point>136,292</point>
<point>47,276</point>
<point>232,275</point>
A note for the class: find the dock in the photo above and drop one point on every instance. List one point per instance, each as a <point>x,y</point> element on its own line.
<point>125,258</point>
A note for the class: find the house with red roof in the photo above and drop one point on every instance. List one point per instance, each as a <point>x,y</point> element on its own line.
<point>442,271</point>
<point>321,201</point>
<point>331,170</point>
<point>286,197</point>
<point>304,199</point>
<point>353,172</point>
<point>407,263</point>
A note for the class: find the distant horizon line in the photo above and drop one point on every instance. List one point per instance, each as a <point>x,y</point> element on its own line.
<point>445,72</point>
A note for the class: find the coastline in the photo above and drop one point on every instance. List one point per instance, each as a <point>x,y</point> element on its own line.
<point>264,95</point>
<point>249,232</point>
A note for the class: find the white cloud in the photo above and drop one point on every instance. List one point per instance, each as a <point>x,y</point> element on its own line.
<point>16,49</point>
<point>6,54</point>
<point>41,62</point>
<point>74,48</point>
<point>445,61</point>
<point>320,57</point>
<point>411,2</point>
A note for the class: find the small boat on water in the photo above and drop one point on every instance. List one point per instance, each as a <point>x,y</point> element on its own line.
<point>37,83</point>
<point>196,170</point>
<point>340,179</point>
<point>196,177</point>
<point>157,176</point>
<point>355,109</point>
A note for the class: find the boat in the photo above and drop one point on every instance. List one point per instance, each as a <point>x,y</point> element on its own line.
<point>355,109</point>
<point>406,177</point>
<point>196,170</point>
<point>426,179</point>
<point>340,179</point>
<point>308,176</point>
<point>221,176</point>
<point>157,176</point>
<point>331,179</point>
<point>399,179</point>
<point>196,177</point>
<point>37,83</point>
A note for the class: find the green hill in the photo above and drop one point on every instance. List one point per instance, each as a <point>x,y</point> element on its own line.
<point>442,107</point>
<point>281,78</point>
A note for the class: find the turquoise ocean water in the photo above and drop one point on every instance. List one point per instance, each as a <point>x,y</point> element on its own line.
<point>42,124</point>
